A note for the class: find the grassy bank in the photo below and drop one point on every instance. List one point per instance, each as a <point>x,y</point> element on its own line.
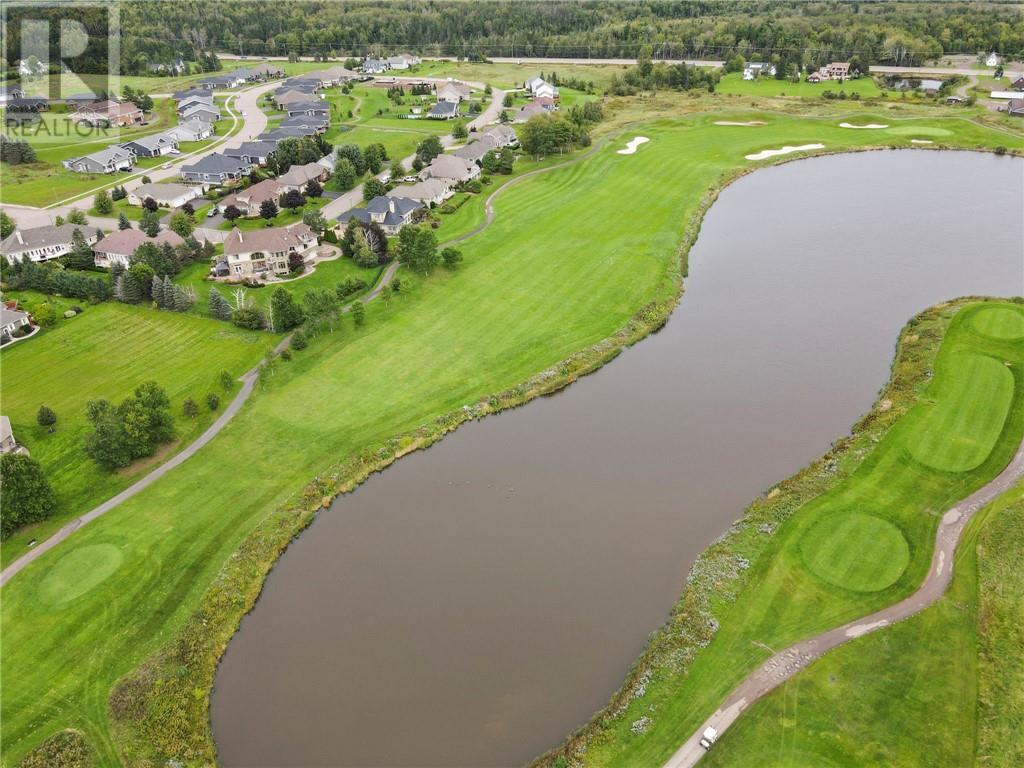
<point>942,688</point>
<point>532,293</point>
<point>106,352</point>
<point>779,575</point>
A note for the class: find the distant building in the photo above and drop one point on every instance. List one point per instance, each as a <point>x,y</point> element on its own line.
<point>1015,108</point>
<point>375,66</point>
<point>992,60</point>
<point>756,69</point>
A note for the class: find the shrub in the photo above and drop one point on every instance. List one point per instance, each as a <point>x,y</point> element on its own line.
<point>226,381</point>
<point>249,317</point>
<point>212,401</point>
<point>46,417</point>
<point>286,354</point>
<point>298,340</point>
<point>189,408</point>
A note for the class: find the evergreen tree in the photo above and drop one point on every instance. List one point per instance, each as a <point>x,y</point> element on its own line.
<point>122,221</point>
<point>102,203</point>
<point>284,312</point>
<point>6,225</point>
<point>168,293</point>
<point>219,307</point>
<point>157,291</point>
<point>46,417</point>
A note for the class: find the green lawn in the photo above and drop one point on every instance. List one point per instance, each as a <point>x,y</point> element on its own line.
<point>863,543</point>
<point>509,75</point>
<point>105,353</point>
<point>283,218</point>
<point>909,695</point>
<point>733,83</point>
<point>507,313</point>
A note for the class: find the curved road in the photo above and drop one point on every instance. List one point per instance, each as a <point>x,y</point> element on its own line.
<point>786,664</point>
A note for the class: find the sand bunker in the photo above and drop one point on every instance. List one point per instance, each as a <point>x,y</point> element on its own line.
<point>869,125</point>
<point>766,153</point>
<point>633,144</point>
<point>921,141</point>
<point>732,122</point>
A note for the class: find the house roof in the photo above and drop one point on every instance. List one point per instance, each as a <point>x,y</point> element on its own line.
<point>200,109</point>
<point>444,109</point>
<point>502,133</point>
<point>530,110</point>
<point>394,209</point>
<point>316,105</point>
<point>161,193</point>
<point>271,239</point>
<point>1015,105</point>
<point>291,96</point>
<point>252,149</point>
<point>256,195</point>
<point>290,132</point>
<point>111,108</point>
<point>450,167</point>
<point>216,163</point>
<point>104,156</point>
<point>193,126</point>
<point>153,141</point>
<point>478,146</point>
<point>181,95</point>
<point>453,87</point>
<point>428,189</point>
<point>125,242</point>
<point>299,175</point>
<point>305,121</point>
<point>40,237</point>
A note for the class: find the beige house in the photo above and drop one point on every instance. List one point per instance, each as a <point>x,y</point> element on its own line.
<point>118,247</point>
<point>259,252</point>
<point>428,192</point>
<point>44,243</point>
<point>249,200</point>
<point>451,170</point>
<point>298,176</point>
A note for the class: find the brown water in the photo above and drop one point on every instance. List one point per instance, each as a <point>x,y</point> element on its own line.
<point>477,601</point>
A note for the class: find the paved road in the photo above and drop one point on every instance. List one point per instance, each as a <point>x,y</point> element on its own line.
<point>785,664</point>
<point>248,380</point>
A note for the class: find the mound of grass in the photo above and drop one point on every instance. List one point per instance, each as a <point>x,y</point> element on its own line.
<point>1004,323</point>
<point>856,551</point>
<point>79,571</point>
<point>973,398</point>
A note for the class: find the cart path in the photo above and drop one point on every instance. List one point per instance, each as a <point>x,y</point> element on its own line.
<point>786,664</point>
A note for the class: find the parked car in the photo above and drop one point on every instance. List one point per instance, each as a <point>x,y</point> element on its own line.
<point>211,213</point>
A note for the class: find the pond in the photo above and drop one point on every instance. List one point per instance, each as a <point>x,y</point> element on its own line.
<point>476,602</point>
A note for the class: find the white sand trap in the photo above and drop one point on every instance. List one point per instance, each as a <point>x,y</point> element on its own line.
<point>921,141</point>
<point>764,154</point>
<point>869,125</point>
<point>633,144</point>
<point>731,122</point>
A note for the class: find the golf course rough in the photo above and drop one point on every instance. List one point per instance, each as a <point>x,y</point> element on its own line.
<point>506,327</point>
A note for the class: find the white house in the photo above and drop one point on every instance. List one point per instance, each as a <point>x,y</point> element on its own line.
<point>43,243</point>
<point>755,69</point>
<point>165,195</point>
<point>992,60</point>
<point>539,87</point>
<point>256,252</point>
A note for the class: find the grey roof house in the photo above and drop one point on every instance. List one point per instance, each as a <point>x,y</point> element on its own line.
<point>109,160</point>
<point>215,169</point>
<point>478,146</point>
<point>154,145</point>
<point>203,112</point>
<point>255,152</point>
<point>308,108</point>
<point>444,110</point>
<point>190,130</point>
<point>391,213</point>
<point>43,243</point>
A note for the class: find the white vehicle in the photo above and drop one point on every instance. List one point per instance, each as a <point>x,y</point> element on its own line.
<point>411,179</point>
<point>709,737</point>
<point>174,151</point>
<point>165,166</point>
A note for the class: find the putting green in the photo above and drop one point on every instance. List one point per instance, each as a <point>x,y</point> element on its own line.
<point>79,571</point>
<point>855,551</point>
<point>919,130</point>
<point>1000,323</point>
<point>959,432</point>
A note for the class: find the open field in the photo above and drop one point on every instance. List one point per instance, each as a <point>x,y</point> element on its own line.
<point>106,352</point>
<point>448,340</point>
<point>769,86</point>
<point>507,75</point>
<point>863,543</point>
<point>910,695</point>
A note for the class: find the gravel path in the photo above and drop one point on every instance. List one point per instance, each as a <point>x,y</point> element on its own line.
<point>785,664</point>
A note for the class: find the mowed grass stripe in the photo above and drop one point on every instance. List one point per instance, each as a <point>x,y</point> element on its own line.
<point>541,282</point>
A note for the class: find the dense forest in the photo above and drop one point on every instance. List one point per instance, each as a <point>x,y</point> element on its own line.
<point>810,33</point>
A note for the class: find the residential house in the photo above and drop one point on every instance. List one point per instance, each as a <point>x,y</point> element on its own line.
<point>109,113</point>
<point>165,195</point>
<point>7,442</point>
<point>374,66</point>
<point>453,91</point>
<point>1015,108</point>
<point>391,213</point>
<point>478,146</point>
<point>291,132</point>
<point>109,160</point>
<point>249,200</point>
<point>202,112</point>
<point>444,110</point>
<point>120,245</point>
<point>837,70</point>
<point>504,135</point>
<point>215,169</point>
<point>205,100</point>
<point>330,76</point>
<point>308,108</point>
<point>814,77</point>
<point>298,176</point>
<point>1018,84</point>
<point>9,92</point>
<point>27,68</point>
<point>290,96</point>
<point>191,130</point>
<point>79,100</point>
<point>254,152</point>
<point>28,104</point>
<point>227,80</point>
<point>398,62</point>
<point>154,145</point>
<point>429,192</point>
<point>756,69</point>
<point>307,83</point>
<point>257,252</point>
<point>180,96</point>
<point>43,243</point>
<point>992,60</point>
<point>316,124</point>
<point>538,86</point>
<point>327,163</point>
<point>451,170</point>
<point>530,110</point>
